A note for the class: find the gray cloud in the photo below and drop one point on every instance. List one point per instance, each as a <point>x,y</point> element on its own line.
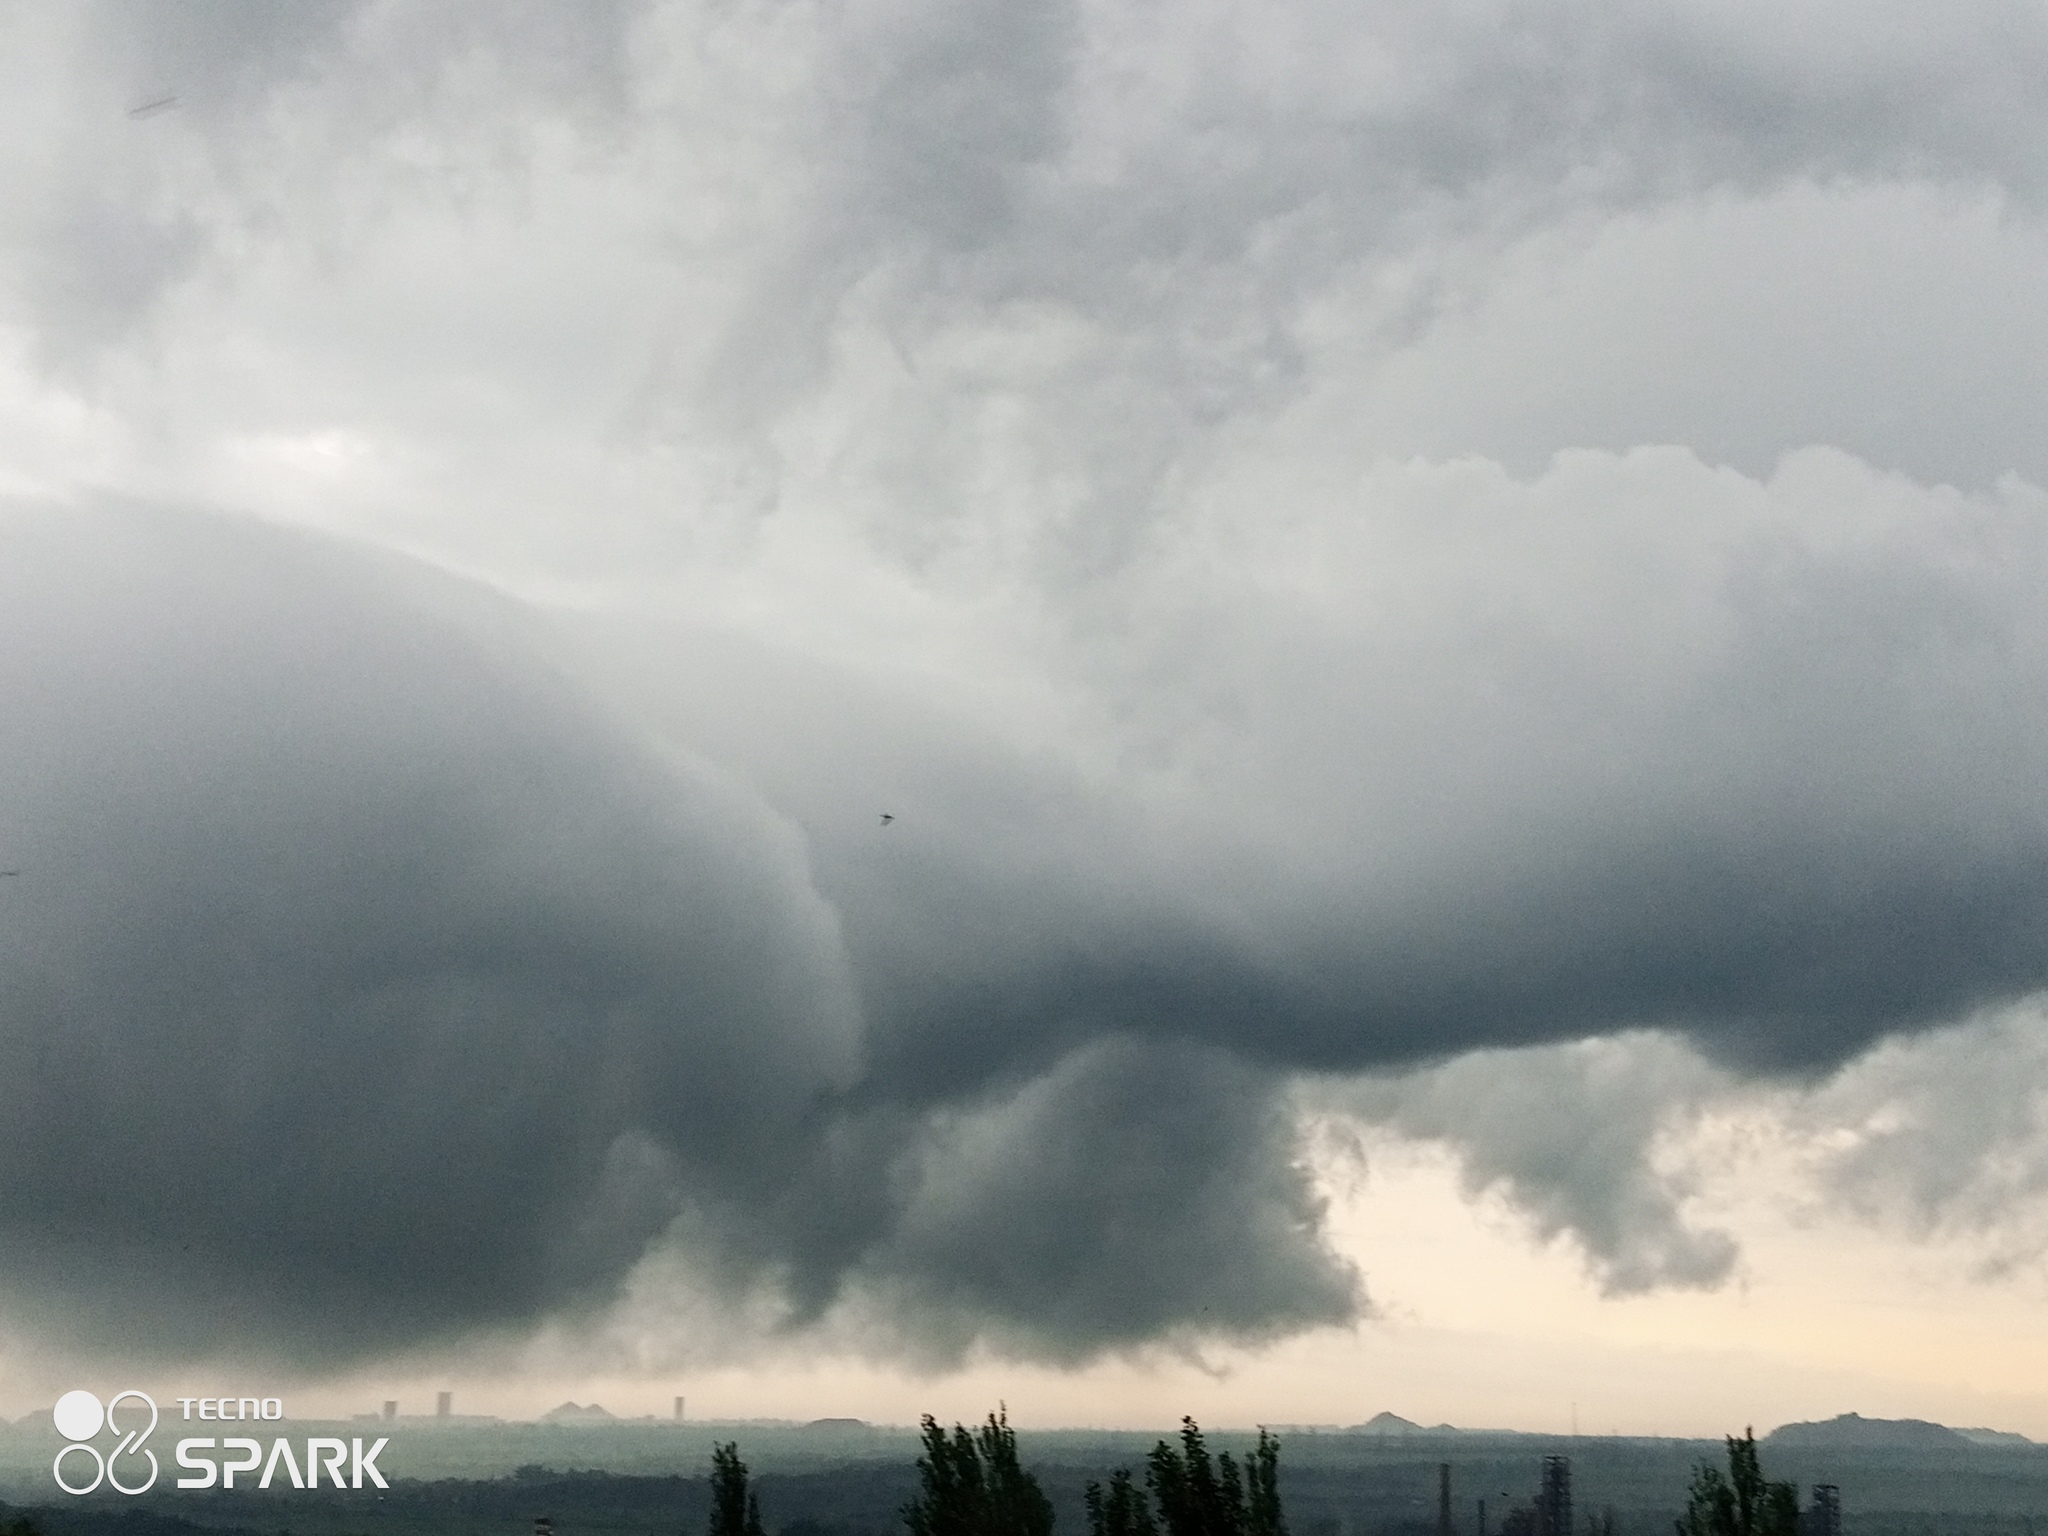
<point>403,971</point>
<point>1222,751</point>
<point>362,983</point>
<point>1180,1165</point>
<point>1945,1133</point>
<point>1567,1136</point>
<point>367,987</point>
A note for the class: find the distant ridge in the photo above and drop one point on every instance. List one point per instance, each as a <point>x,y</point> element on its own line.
<point>1852,1430</point>
<point>1394,1424</point>
<point>1982,1436</point>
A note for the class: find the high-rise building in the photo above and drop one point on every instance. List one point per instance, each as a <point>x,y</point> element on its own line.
<point>444,1404</point>
<point>390,1407</point>
<point>679,1410</point>
<point>1823,1516</point>
<point>1554,1502</point>
<point>1443,1499</point>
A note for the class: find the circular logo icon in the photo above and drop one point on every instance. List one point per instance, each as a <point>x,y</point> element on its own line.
<point>80,1417</point>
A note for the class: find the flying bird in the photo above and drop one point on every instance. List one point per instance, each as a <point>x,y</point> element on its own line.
<point>151,108</point>
<point>887,818</point>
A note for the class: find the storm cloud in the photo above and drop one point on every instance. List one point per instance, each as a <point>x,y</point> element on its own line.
<point>361,981</point>
<point>1184,466</point>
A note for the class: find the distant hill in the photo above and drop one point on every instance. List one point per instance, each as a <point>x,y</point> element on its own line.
<point>1394,1424</point>
<point>1853,1431</point>
<point>1993,1437</point>
<point>576,1413</point>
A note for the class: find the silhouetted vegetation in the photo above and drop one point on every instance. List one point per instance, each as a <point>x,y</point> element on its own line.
<point>973,1485</point>
<point>1742,1503</point>
<point>1195,1495</point>
<point>734,1509</point>
<point>1122,1511</point>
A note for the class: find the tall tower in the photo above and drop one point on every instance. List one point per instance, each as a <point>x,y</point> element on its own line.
<point>1824,1514</point>
<point>444,1404</point>
<point>1554,1503</point>
<point>679,1410</point>
<point>1443,1499</point>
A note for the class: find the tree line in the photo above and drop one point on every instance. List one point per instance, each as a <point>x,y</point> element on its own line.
<point>971,1483</point>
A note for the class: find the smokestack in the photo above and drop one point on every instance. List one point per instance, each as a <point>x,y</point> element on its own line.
<point>390,1407</point>
<point>1443,1498</point>
<point>444,1404</point>
<point>679,1410</point>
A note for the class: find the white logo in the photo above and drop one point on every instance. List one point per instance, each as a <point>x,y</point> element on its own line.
<point>80,1417</point>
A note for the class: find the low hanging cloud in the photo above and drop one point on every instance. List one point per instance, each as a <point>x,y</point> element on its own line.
<point>362,982</point>
<point>1944,1134</point>
<point>369,985</point>
<point>1567,1136</point>
<point>922,376</point>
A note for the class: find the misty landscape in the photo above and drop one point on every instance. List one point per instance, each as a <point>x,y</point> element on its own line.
<point>848,1478</point>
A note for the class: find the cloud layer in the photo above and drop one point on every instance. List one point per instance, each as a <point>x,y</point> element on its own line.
<point>1002,417</point>
<point>363,983</point>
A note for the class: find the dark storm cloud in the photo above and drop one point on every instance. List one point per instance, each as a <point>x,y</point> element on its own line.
<point>1133,1193</point>
<point>1642,744</point>
<point>361,984</point>
<point>366,986</point>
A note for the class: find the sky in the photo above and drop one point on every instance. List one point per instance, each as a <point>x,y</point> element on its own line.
<point>856,707</point>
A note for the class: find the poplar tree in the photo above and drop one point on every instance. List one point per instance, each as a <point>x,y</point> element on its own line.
<point>1195,1494</point>
<point>1742,1503</point>
<point>972,1484</point>
<point>735,1511</point>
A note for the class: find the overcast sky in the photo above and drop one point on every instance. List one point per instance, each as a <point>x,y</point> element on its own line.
<point>1267,709</point>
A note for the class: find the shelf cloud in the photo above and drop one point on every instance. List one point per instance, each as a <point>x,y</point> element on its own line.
<point>864,642</point>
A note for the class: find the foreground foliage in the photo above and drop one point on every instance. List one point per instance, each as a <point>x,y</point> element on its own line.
<point>973,1484</point>
<point>734,1509</point>
<point>1194,1494</point>
<point>1742,1503</point>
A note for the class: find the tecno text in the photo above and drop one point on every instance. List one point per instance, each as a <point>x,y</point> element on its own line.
<point>243,1407</point>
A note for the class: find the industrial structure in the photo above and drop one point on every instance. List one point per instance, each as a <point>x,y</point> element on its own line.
<point>1823,1516</point>
<point>1554,1500</point>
